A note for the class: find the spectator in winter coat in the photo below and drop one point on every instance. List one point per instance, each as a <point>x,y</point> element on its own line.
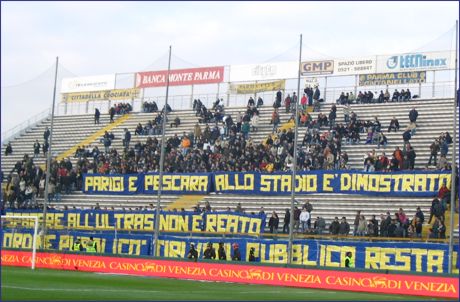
<point>396,95</point>
<point>97,115</point>
<point>297,213</point>
<point>375,225</point>
<point>418,227</point>
<point>111,113</point>
<point>176,122</point>
<point>319,225</point>
<point>444,148</point>
<point>273,223</point>
<point>209,252</point>
<point>392,228</point>
<point>344,227</point>
<point>394,124</point>
<point>385,222</point>
<point>287,103</point>
<point>287,219</point>
<point>435,209</point>
<point>406,136</point>
<point>127,139</point>
<point>334,227</point>
<point>279,96</point>
<point>383,141</point>
<point>419,214</point>
<point>332,117</point>
<point>413,114</point>
<point>411,155</point>
<point>275,120</point>
<point>36,148</point>
<point>304,102</point>
<point>222,255</point>
<point>399,157</point>
<point>434,149</point>
<point>316,94</point>
<point>46,134</point>
<point>260,102</point>
<point>8,149</point>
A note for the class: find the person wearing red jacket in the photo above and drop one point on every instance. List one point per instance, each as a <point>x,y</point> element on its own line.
<point>399,156</point>
<point>442,191</point>
<point>303,102</point>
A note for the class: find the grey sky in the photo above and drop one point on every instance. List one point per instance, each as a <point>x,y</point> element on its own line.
<point>106,37</point>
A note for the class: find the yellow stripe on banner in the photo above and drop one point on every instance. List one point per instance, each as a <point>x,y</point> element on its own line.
<point>90,139</point>
<point>185,201</point>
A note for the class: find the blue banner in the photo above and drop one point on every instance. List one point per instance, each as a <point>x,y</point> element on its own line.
<point>102,220</point>
<point>398,256</point>
<point>404,183</point>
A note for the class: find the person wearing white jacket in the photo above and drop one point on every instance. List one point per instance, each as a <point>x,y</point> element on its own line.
<point>255,122</point>
<point>304,218</point>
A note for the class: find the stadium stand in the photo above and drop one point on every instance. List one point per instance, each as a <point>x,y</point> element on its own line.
<point>435,117</point>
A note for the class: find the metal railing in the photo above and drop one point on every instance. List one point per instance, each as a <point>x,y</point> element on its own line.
<point>438,89</point>
<point>24,126</point>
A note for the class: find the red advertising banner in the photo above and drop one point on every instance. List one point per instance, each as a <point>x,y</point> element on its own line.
<point>446,287</point>
<point>178,77</point>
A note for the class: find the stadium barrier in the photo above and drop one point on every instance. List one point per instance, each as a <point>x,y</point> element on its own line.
<point>445,287</point>
<point>393,256</point>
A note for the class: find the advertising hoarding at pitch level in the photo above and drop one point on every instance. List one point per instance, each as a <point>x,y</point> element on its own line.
<point>238,272</point>
<point>91,83</point>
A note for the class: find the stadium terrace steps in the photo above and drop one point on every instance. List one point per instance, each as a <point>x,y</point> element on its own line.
<point>90,139</point>
<point>185,201</point>
<point>80,199</point>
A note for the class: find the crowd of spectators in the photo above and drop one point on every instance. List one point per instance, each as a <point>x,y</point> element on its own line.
<point>225,144</point>
<point>26,181</point>
<point>152,127</point>
<point>368,97</point>
<point>149,107</point>
<point>396,225</point>
<point>440,145</point>
<point>119,109</point>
